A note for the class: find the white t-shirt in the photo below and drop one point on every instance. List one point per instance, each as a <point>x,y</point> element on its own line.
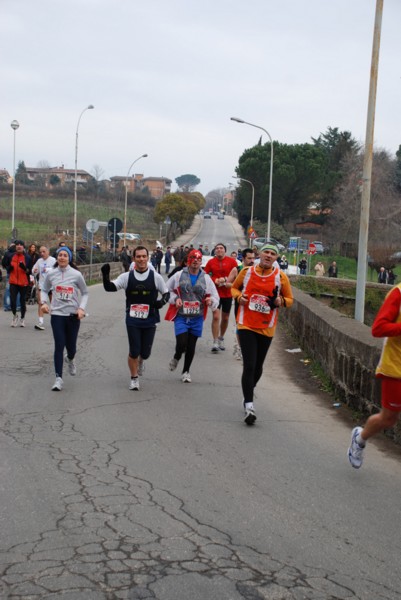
<point>41,267</point>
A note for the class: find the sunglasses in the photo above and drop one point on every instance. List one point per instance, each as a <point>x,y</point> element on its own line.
<point>19,243</point>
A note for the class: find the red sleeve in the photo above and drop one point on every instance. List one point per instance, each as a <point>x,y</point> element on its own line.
<point>384,324</point>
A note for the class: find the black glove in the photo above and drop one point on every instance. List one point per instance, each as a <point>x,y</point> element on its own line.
<point>163,300</point>
<point>22,266</point>
<point>272,298</point>
<point>105,270</point>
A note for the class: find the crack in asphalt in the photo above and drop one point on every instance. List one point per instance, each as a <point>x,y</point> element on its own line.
<point>120,537</point>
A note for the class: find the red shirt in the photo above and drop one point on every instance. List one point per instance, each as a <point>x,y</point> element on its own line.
<point>217,268</point>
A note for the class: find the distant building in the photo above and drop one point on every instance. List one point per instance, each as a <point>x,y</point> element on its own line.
<point>156,186</point>
<point>5,176</point>
<point>66,176</point>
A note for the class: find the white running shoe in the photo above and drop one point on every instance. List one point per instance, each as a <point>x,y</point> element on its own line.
<point>355,451</point>
<point>215,347</point>
<point>186,377</point>
<point>141,367</point>
<point>14,322</point>
<point>221,344</point>
<point>22,323</point>
<point>250,416</point>
<point>72,369</point>
<point>58,385</point>
<point>40,326</point>
<point>134,385</point>
<point>173,364</point>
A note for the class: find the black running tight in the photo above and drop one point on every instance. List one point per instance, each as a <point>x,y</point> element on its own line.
<point>254,348</point>
<point>185,342</point>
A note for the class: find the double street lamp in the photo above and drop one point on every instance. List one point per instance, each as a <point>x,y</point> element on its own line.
<point>253,200</point>
<point>14,126</point>
<point>126,193</point>
<point>76,176</point>
<point>269,211</point>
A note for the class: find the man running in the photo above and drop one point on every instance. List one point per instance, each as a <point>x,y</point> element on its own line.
<point>248,258</point>
<point>142,287</point>
<point>39,270</point>
<point>260,291</point>
<point>219,268</point>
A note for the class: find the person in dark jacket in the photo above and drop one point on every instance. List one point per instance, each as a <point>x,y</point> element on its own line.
<point>18,265</point>
<point>302,265</point>
<point>333,271</point>
<point>382,276</point>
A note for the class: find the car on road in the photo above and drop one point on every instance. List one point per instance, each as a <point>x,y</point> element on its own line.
<point>207,215</point>
<point>319,247</point>
<point>261,241</point>
<point>220,216</point>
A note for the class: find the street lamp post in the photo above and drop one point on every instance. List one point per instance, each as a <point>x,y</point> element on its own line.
<point>126,194</point>
<point>14,126</point>
<point>269,211</point>
<point>76,176</point>
<point>253,200</point>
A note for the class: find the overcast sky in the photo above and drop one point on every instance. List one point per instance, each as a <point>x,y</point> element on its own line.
<point>165,76</point>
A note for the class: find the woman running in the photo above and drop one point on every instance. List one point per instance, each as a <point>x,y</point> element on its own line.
<point>68,304</point>
<point>191,292</point>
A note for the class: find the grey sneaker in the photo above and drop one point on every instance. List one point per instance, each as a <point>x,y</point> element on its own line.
<point>22,323</point>
<point>215,347</point>
<point>186,377</point>
<point>173,364</point>
<point>58,385</point>
<point>134,385</point>
<point>141,367</point>
<point>14,322</point>
<point>355,451</point>
<point>72,369</point>
<point>221,344</point>
<point>40,326</point>
<point>250,416</point>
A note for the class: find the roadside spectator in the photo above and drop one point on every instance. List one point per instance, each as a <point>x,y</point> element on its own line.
<point>167,259</point>
<point>125,258</point>
<point>33,253</point>
<point>302,266</point>
<point>159,258</point>
<point>333,271</point>
<point>319,269</point>
<point>391,277</point>
<point>178,255</point>
<point>283,262</point>
<point>382,276</point>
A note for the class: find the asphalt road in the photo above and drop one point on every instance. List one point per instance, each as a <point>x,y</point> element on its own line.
<point>165,493</point>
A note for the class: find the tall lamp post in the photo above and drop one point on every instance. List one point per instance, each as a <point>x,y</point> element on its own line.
<point>126,193</point>
<point>14,126</point>
<point>76,176</point>
<point>253,199</point>
<point>269,211</point>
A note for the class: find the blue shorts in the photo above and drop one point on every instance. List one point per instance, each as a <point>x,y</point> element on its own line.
<point>192,325</point>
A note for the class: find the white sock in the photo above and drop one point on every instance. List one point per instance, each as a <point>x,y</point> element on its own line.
<point>249,406</point>
<point>40,320</point>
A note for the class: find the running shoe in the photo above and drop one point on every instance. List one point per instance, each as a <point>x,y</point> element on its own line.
<point>215,347</point>
<point>58,385</point>
<point>221,343</point>
<point>14,322</point>
<point>141,367</point>
<point>173,364</point>
<point>250,416</point>
<point>40,326</point>
<point>22,323</point>
<point>355,451</point>
<point>186,377</point>
<point>134,385</point>
<point>72,369</point>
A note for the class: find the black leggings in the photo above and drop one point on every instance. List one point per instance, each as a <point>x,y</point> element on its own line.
<point>14,290</point>
<point>185,342</point>
<point>254,348</point>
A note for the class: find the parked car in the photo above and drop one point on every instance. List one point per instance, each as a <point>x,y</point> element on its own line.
<point>220,216</point>
<point>207,215</point>
<point>319,247</point>
<point>260,241</point>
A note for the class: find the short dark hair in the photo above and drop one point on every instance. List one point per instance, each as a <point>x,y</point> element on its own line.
<point>140,248</point>
<point>247,251</point>
<point>221,244</point>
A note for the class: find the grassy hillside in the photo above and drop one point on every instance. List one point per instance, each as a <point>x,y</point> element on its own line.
<point>38,219</point>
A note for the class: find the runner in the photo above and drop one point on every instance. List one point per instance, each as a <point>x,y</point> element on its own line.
<point>18,264</point>
<point>191,292</point>
<point>68,305</point>
<point>219,268</point>
<point>142,286</point>
<point>260,290</point>
<point>248,258</point>
<point>387,324</point>
<point>39,270</point>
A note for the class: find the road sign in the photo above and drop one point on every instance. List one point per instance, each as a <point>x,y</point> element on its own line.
<point>92,225</point>
<point>311,249</point>
<point>115,225</point>
<point>253,235</point>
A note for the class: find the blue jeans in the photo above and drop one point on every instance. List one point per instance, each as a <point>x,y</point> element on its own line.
<point>65,333</point>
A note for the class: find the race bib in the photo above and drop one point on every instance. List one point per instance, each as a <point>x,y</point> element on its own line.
<point>259,304</point>
<point>139,311</point>
<point>64,292</point>
<point>191,307</point>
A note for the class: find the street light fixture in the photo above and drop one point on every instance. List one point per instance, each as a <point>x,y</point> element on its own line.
<point>14,126</point>
<point>126,194</point>
<point>269,211</point>
<point>253,200</point>
<point>75,179</point>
